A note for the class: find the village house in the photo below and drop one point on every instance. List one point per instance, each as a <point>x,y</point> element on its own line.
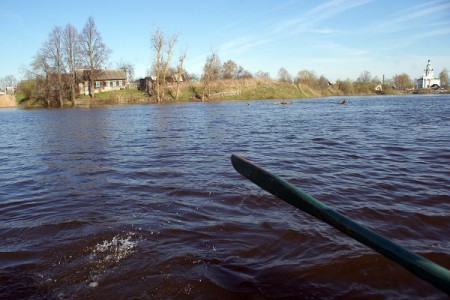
<point>104,80</point>
<point>7,89</point>
<point>428,80</point>
<point>147,84</point>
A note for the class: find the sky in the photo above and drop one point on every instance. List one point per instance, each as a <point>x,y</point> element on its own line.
<point>336,38</point>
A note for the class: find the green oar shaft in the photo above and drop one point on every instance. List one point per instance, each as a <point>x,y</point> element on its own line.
<point>418,265</point>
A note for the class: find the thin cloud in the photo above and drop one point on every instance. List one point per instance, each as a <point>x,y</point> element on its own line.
<point>267,12</point>
<point>231,25</point>
<point>406,41</point>
<point>403,20</point>
<point>238,42</point>
<point>284,5</point>
<point>434,33</point>
<point>242,44</point>
<point>323,31</point>
<point>316,14</point>
<point>341,49</point>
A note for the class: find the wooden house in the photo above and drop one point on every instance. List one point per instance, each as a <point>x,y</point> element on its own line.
<point>148,83</point>
<point>104,80</point>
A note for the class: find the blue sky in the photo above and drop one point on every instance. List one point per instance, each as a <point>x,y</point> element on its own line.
<point>336,38</point>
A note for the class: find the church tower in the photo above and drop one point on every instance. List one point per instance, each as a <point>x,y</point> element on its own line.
<point>428,80</point>
<point>428,72</point>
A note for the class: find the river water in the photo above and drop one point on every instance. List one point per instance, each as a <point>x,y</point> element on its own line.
<point>142,201</point>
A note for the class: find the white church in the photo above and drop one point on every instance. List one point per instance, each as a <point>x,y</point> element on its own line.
<point>428,80</point>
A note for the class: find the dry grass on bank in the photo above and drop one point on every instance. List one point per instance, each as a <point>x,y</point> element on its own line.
<point>8,100</point>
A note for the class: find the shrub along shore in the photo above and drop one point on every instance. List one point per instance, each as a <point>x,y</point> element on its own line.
<point>231,89</point>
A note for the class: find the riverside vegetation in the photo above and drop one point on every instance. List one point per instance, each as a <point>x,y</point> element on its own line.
<point>51,80</point>
<point>227,89</point>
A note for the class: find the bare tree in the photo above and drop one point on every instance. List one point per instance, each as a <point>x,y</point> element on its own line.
<point>211,71</point>
<point>71,52</point>
<point>306,77</point>
<point>261,74</point>
<point>10,80</point>
<point>47,68</point>
<point>158,44</point>
<point>166,62</point>
<point>180,72</point>
<point>230,69</point>
<point>323,82</point>
<point>365,77</point>
<point>243,73</point>
<point>163,47</point>
<point>41,71</point>
<point>94,53</point>
<point>402,81</point>
<point>129,69</point>
<point>52,50</point>
<point>284,75</point>
<point>8,84</point>
<point>443,76</point>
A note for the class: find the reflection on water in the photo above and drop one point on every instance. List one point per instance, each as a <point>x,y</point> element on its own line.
<point>142,201</point>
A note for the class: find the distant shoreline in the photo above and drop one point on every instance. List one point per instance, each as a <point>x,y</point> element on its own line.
<point>226,91</point>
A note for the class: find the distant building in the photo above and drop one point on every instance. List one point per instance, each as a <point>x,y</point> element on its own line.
<point>428,80</point>
<point>379,87</point>
<point>148,83</point>
<point>7,90</point>
<point>104,80</point>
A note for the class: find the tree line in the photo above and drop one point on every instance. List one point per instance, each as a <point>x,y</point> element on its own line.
<point>213,69</point>
<point>363,84</point>
<point>53,69</point>
<point>52,74</point>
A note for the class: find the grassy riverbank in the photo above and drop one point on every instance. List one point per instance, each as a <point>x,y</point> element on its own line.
<point>234,89</point>
<point>244,89</point>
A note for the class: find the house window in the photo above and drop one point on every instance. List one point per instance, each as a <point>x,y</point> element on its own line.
<point>107,83</point>
<point>114,83</point>
<point>120,83</point>
<point>97,84</point>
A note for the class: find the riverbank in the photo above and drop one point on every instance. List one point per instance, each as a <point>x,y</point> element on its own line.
<point>223,90</point>
<point>7,100</point>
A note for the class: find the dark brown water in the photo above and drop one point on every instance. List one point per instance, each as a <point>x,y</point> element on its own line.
<point>142,201</point>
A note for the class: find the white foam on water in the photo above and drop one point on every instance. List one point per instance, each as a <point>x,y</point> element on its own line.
<point>116,249</point>
<point>109,252</point>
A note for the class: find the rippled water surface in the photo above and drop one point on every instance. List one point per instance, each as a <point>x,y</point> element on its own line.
<point>142,201</point>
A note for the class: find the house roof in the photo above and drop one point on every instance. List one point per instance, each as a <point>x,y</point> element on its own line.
<point>119,74</point>
<point>112,74</point>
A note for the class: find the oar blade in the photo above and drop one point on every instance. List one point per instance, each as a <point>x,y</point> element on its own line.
<point>416,264</point>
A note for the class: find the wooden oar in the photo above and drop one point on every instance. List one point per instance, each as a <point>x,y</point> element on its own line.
<point>418,265</point>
